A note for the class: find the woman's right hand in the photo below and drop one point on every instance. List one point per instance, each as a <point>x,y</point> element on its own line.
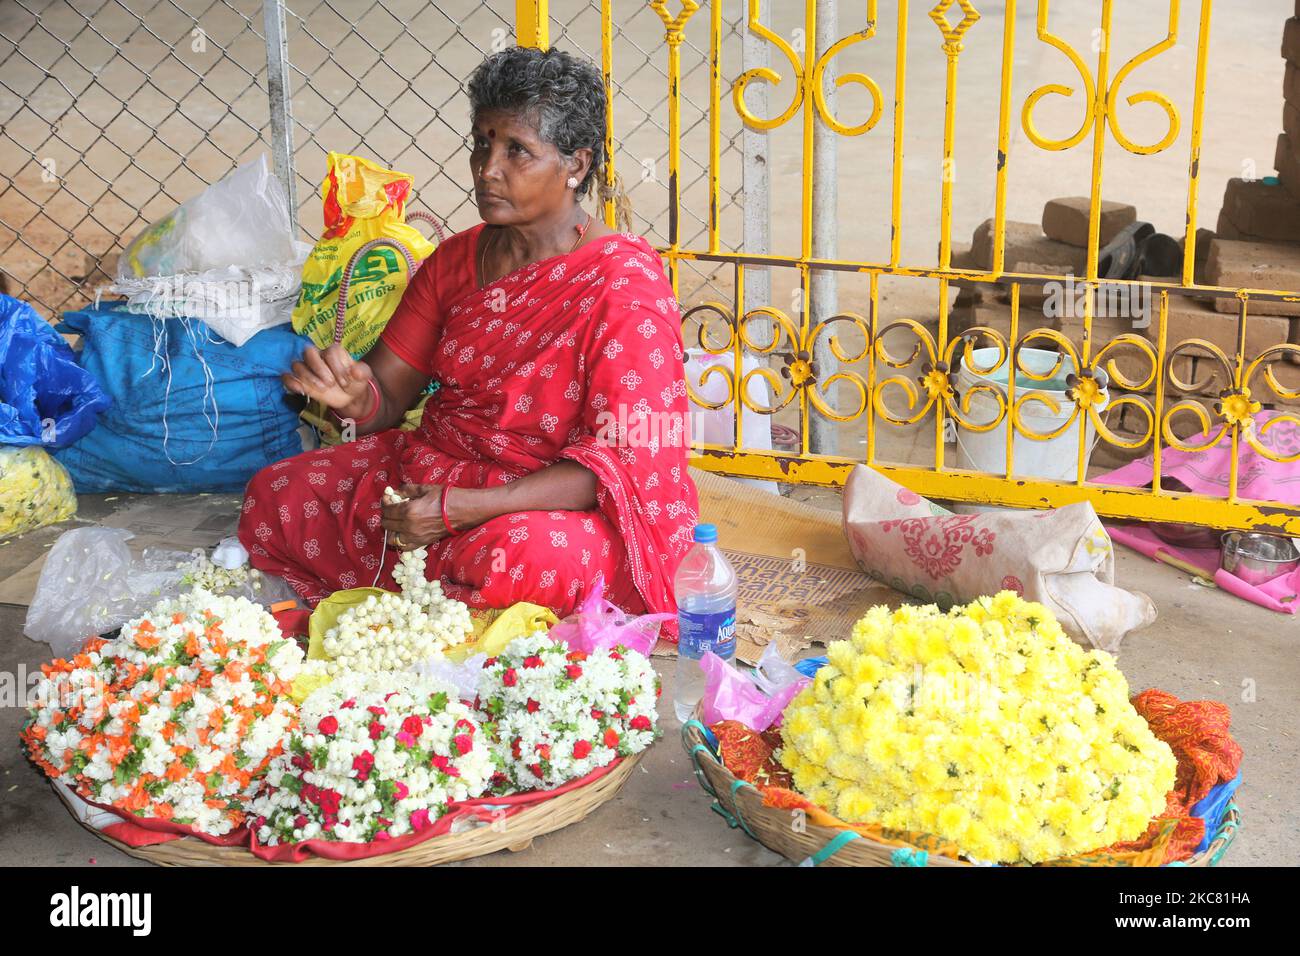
<point>334,378</point>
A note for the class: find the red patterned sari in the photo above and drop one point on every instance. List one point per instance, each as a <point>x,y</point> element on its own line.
<point>575,357</point>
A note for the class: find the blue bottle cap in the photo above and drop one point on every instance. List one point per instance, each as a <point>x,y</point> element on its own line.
<point>706,534</point>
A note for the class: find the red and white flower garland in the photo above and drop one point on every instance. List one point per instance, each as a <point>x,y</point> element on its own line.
<point>556,715</point>
<point>378,756</point>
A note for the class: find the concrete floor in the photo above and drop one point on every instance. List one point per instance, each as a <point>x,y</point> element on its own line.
<point>1205,645</point>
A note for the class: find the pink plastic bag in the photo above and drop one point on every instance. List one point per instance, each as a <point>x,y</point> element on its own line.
<point>730,695</point>
<point>597,624</point>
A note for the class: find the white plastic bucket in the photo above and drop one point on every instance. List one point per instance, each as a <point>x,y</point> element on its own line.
<point>717,426</point>
<point>1055,458</point>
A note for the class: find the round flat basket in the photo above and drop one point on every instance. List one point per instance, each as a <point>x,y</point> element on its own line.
<point>517,833</point>
<point>741,804</point>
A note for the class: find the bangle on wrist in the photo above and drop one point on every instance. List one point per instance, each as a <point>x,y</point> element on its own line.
<point>374,408</point>
<point>442,506</point>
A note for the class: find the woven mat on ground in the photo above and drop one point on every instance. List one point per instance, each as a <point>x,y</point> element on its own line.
<point>799,583</point>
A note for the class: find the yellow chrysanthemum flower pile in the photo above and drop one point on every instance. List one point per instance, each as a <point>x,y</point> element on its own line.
<point>986,726</point>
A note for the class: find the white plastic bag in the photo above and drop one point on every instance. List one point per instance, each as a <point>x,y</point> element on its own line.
<point>235,303</point>
<point>464,676</point>
<point>243,220</point>
<point>229,554</point>
<point>90,585</point>
<point>226,256</point>
<point>773,673</point>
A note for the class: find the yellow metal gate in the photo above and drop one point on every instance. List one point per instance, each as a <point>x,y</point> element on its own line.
<point>1156,391</point>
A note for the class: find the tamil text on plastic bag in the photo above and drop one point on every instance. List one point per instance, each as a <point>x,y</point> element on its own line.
<point>362,202</point>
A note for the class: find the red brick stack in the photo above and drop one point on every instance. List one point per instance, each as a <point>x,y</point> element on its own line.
<point>1258,242</point>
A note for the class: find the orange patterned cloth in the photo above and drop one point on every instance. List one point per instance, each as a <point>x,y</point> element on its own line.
<point>750,755</point>
<point>1196,731</point>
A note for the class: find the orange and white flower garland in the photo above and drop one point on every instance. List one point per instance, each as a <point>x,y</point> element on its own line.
<point>188,716</point>
<point>177,717</point>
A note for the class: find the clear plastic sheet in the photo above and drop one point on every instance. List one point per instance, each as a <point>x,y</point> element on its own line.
<point>91,585</point>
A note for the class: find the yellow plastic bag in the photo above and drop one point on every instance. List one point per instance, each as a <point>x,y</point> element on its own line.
<point>35,490</point>
<point>494,629</point>
<point>363,201</point>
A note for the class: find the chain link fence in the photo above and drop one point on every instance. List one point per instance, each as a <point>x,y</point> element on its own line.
<point>114,111</point>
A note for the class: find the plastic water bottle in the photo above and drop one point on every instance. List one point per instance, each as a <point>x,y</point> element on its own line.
<point>705,585</point>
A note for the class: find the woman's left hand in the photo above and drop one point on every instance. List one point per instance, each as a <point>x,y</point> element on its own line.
<point>416,522</point>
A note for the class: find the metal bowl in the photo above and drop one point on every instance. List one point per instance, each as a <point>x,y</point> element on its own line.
<point>1185,535</point>
<point>1256,557</point>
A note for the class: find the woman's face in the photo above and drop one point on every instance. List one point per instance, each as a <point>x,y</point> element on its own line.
<point>517,176</point>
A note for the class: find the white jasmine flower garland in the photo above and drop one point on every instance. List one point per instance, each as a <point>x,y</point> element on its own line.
<point>378,756</point>
<point>394,631</point>
<point>556,715</point>
<point>177,717</point>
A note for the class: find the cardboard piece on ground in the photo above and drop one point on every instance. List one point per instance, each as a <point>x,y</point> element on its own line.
<point>169,522</point>
<point>794,565</point>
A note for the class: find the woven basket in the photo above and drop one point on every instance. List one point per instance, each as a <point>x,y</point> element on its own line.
<point>516,835</point>
<point>741,805</point>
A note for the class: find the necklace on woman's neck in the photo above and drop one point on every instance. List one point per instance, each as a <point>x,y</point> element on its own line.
<point>482,256</point>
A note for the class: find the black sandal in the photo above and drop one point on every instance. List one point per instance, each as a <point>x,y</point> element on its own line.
<point>1121,258</point>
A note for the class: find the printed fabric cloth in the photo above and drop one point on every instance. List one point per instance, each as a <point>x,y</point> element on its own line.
<point>576,357</point>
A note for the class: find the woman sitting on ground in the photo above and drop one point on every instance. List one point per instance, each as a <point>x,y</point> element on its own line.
<point>555,446</point>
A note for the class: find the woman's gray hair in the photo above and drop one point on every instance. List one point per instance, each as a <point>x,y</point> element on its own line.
<point>562,96</point>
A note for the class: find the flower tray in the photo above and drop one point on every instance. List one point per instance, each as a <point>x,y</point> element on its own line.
<point>741,804</point>
<point>537,817</point>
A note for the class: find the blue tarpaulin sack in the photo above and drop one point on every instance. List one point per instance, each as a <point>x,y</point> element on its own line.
<point>46,398</point>
<point>191,412</point>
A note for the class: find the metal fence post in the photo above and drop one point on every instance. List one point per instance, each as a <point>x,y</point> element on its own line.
<point>281,103</point>
<point>756,181</point>
<point>533,23</point>
<point>822,435</point>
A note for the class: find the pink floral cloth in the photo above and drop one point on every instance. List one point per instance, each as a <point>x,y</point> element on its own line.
<point>1206,472</point>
